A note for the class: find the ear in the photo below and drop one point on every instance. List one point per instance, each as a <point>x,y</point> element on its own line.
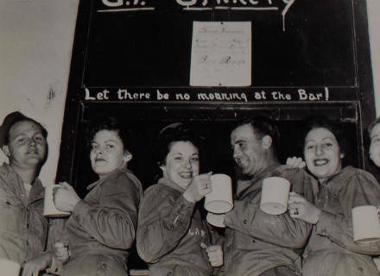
<point>341,155</point>
<point>163,168</point>
<point>127,156</point>
<point>6,150</point>
<point>266,142</point>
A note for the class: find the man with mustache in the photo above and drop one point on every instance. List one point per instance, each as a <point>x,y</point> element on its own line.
<point>23,228</point>
<point>258,243</point>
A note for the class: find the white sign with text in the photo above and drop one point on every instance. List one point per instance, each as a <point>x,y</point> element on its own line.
<point>221,54</point>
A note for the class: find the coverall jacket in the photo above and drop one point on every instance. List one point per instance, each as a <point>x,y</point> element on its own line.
<point>331,250</point>
<point>101,229</point>
<point>23,228</point>
<point>170,233</point>
<point>256,242</point>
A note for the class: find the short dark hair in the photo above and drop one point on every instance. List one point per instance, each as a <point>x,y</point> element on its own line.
<point>324,122</point>
<point>264,126</point>
<point>175,132</point>
<point>112,124</point>
<point>10,120</point>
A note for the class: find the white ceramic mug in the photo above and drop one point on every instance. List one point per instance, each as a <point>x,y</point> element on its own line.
<point>219,201</point>
<point>274,195</point>
<point>216,219</point>
<point>366,224</point>
<point>9,268</point>
<point>49,207</point>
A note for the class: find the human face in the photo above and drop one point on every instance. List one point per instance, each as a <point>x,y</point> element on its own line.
<point>322,153</point>
<point>374,148</point>
<point>181,163</point>
<point>107,152</point>
<point>248,150</point>
<point>27,146</point>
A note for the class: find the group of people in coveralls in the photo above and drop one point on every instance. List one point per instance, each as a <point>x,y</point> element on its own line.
<point>313,237</point>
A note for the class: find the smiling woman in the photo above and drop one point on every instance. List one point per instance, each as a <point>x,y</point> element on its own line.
<point>331,249</point>
<point>322,151</point>
<point>172,237</point>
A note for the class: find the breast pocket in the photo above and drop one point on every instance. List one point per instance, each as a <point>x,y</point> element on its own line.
<point>11,214</point>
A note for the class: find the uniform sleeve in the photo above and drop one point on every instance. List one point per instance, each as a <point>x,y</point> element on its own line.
<point>281,230</point>
<point>164,219</point>
<point>361,189</point>
<point>113,221</point>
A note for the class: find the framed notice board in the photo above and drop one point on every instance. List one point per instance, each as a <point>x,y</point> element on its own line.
<point>211,63</point>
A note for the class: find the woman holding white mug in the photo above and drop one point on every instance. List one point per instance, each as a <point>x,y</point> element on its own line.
<point>171,235</point>
<point>101,228</point>
<point>331,249</point>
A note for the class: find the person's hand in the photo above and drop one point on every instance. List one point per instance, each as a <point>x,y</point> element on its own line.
<point>60,257</point>
<point>199,186</point>
<point>65,198</point>
<point>295,162</point>
<point>302,209</point>
<point>33,267</point>
<point>215,254</point>
<point>61,252</point>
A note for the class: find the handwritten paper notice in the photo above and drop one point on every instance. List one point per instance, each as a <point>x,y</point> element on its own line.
<point>221,54</point>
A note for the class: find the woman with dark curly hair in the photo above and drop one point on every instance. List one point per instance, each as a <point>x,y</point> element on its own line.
<point>171,236</point>
<point>331,249</point>
<point>101,229</point>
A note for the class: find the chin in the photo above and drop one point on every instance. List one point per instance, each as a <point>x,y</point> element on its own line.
<point>322,175</point>
<point>34,161</point>
<point>377,163</point>
<point>101,171</point>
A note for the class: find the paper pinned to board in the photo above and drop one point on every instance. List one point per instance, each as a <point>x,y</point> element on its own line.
<point>221,54</point>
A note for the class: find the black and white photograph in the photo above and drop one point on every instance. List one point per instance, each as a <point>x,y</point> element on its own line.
<point>189,138</point>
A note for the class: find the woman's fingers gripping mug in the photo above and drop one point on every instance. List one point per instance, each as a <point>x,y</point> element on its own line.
<point>9,268</point>
<point>49,207</point>
<point>366,224</point>
<point>274,195</point>
<point>219,201</point>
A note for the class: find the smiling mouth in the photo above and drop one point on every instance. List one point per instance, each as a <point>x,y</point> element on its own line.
<point>186,175</point>
<point>320,162</point>
<point>100,160</point>
<point>240,163</point>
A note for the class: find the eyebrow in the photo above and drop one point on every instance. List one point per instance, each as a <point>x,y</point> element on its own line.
<point>323,139</point>
<point>332,138</point>
<point>25,135</point>
<point>106,141</point>
<point>179,153</point>
<point>240,141</point>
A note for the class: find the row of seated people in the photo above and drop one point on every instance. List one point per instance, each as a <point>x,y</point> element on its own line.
<point>313,237</point>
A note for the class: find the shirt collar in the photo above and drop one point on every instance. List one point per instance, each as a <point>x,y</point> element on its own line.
<point>254,182</point>
<point>171,184</point>
<point>109,176</point>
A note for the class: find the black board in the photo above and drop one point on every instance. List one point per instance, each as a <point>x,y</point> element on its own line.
<point>131,59</point>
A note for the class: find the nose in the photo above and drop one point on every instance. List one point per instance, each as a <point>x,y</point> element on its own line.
<point>187,164</point>
<point>236,151</point>
<point>98,151</point>
<point>31,142</point>
<point>318,150</point>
